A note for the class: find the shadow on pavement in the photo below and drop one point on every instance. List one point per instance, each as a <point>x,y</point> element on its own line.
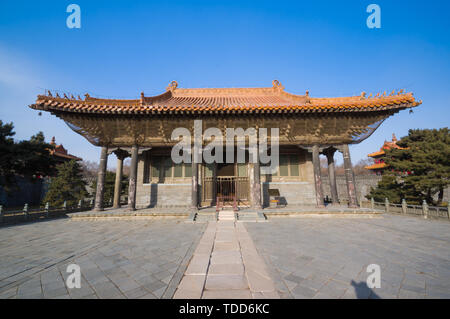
<point>363,291</point>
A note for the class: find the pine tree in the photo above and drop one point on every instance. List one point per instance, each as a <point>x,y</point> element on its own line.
<point>388,188</point>
<point>68,185</point>
<point>30,159</point>
<point>422,170</point>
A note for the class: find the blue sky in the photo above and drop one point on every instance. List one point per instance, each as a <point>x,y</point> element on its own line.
<point>125,47</point>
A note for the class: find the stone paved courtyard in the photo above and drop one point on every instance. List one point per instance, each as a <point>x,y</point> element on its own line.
<point>328,257</point>
<point>118,259</point>
<point>305,257</point>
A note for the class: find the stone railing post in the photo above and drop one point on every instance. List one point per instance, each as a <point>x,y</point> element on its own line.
<point>425,209</point>
<point>80,204</point>
<point>47,209</point>
<point>404,206</point>
<point>1,214</point>
<point>386,204</point>
<point>25,210</point>
<point>372,203</point>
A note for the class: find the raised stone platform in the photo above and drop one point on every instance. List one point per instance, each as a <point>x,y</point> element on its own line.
<point>312,211</point>
<point>124,213</point>
<point>244,214</point>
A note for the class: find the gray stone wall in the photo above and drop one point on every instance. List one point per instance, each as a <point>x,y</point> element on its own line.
<point>28,192</point>
<point>298,191</point>
<point>177,192</point>
<point>292,193</point>
<point>293,190</point>
<point>163,195</point>
<point>170,194</point>
<point>363,185</point>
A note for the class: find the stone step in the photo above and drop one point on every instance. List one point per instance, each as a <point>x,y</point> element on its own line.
<point>203,217</point>
<point>227,215</point>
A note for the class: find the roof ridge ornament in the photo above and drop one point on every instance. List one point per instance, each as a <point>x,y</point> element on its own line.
<point>307,99</point>
<point>172,86</point>
<point>277,85</point>
<point>142,98</point>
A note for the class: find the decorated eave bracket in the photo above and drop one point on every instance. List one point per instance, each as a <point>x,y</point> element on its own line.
<point>368,132</point>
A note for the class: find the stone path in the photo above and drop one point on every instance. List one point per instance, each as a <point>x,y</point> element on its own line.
<point>226,265</point>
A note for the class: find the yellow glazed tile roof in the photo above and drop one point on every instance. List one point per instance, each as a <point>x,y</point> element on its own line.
<point>223,101</point>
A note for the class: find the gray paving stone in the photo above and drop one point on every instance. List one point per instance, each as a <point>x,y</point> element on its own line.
<point>107,253</point>
<point>303,292</point>
<point>294,278</point>
<point>334,289</point>
<point>135,293</point>
<point>411,252</point>
<point>155,285</point>
<point>78,293</point>
<point>226,282</point>
<point>159,292</point>
<point>227,294</point>
<point>56,293</point>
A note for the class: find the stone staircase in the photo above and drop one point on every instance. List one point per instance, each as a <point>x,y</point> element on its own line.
<point>227,215</point>
<point>204,217</point>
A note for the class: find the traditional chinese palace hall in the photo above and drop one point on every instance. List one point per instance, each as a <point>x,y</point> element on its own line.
<point>142,129</point>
